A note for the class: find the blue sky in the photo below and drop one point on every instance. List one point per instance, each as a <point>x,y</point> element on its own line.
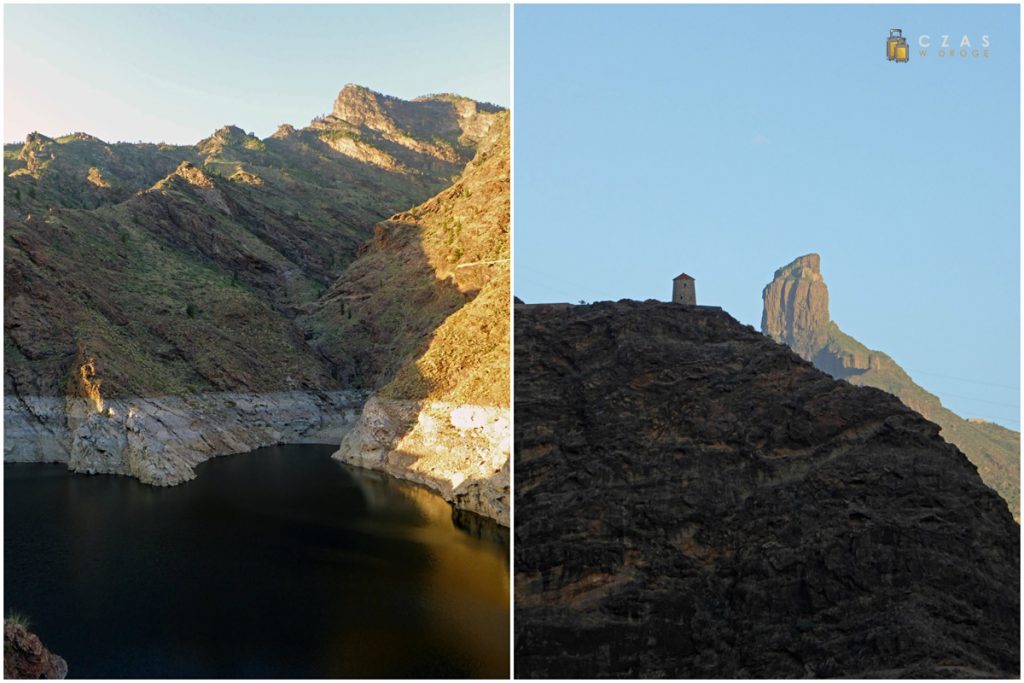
<point>176,73</point>
<point>724,141</point>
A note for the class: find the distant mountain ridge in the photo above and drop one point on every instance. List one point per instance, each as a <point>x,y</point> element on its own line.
<point>796,313</point>
<point>152,258</point>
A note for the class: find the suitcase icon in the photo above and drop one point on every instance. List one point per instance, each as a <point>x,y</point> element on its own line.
<point>896,48</point>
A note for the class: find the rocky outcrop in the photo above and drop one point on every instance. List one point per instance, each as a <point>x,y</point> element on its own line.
<point>431,135</point>
<point>694,500</point>
<point>445,117</point>
<point>159,440</point>
<point>25,656</point>
<point>796,314</point>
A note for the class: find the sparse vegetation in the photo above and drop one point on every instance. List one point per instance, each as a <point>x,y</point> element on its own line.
<point>18,618</point>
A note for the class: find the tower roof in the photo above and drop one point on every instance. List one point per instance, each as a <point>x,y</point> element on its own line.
<point>682,276</point>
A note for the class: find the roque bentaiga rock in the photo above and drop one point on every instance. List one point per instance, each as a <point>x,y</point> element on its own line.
<point>695,500</point>
<point>796,306</point>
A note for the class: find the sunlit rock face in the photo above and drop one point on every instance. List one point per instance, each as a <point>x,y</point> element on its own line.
<point>459,450</point>
<point>430,119</point>
<point>796,305</point>
<point>694,500</point>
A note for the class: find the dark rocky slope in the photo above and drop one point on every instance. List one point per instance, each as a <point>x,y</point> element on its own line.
<point>695,500</point>
<point>796,313</point>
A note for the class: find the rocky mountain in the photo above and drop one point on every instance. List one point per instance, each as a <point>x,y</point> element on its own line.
<point>694,500</point>
<point>424,311</point>
<point>25,656</point>
<point>796,314</point>
<point>155,295</point>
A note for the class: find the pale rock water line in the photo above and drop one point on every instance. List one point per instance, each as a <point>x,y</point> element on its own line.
<point>159,440</point>
<point>460,451</point>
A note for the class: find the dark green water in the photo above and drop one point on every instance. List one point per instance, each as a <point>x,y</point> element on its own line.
<point>276,563</point>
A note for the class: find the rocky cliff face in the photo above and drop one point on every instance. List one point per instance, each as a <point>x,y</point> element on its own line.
<point>696,501</point>
<point>796,314</point>
<point>434,135</point>
<point>25,657</point>
<point>432,289</point>
<point>154,293</point>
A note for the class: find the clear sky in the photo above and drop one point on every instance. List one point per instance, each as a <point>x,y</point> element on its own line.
<point>724,141</point>
<point>176,73</point>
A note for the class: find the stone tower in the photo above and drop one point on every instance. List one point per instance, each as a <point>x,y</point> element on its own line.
<point>684,290</point>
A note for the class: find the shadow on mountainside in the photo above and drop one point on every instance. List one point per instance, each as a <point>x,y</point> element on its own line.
<point>381,315</point>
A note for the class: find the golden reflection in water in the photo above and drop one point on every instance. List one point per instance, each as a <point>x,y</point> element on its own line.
<point>466,572</point>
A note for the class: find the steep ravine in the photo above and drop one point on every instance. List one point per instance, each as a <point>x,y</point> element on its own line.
<point>694,500</point>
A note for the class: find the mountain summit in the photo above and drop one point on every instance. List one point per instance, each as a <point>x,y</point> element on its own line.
<point>796,314</point>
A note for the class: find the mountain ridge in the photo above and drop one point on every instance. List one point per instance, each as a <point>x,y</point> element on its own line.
<point>249,210</point>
